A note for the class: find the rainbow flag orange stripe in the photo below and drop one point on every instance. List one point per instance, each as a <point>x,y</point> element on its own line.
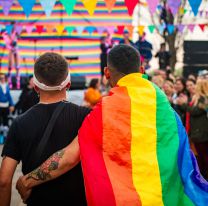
<point>135,151</point>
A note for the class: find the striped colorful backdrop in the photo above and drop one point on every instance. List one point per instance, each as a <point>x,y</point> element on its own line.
<point>83,45</point>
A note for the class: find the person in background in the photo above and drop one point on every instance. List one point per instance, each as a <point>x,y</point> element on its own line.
<point>198,130</point>
<point>158,80</point>
<point>180,93</point>
<point>28,97</point>
<point>11,41</point>
<point>105,45</point>
<point>164,58</point>
<point>92,95</point>
<point>192,76</point>
<point>168,88</point>
<point>145,48</point>
<point>6,102</point>
<point>191,88</point>
<point>126,39</point>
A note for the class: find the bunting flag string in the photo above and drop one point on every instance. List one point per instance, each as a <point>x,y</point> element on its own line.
<point>90,6</point>
<point>100,30</point>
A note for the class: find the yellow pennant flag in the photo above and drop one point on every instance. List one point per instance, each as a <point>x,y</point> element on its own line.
<point>140,30</point>
<point>90,5</point>
<point>60,29</point>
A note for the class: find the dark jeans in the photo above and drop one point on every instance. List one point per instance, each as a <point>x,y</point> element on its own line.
<point>4,112</point>
<point>202,151</point>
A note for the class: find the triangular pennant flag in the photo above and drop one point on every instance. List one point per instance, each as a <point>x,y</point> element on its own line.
<point>101,29</point>
<point>195,5</point>
<point>161,28</point>
<point>170,28</point>
<point>59,29</point>
<point>130,28</point>
<point>27,6</point>
<point>79,29</point>
<point>90,29</point>
<point>70,29</point>
<point>180,28</point>
<point>185,11</point>
<point>29,29</point>
<point>49,28</point>
<point>68,5</point>
<point>191,27</point>
<point>174,6</point>
<point>130,4</point>
<point>181,11</point>
<point>152,5</point>
<point>110,4</point>
<point>151,28</point>
<point>90,5</point>
<point>39,28</point>
<point>120,29</point>
<point>9,28</point>
<point>6,5</point>
<point>18,29</point>
<point>202,26</point>
<point>141,30</point>
<point>47,6</point>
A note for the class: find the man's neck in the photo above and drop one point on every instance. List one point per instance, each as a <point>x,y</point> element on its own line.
<point>52,97</point>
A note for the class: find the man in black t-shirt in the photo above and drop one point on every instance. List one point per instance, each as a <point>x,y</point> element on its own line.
<point>51,80</point>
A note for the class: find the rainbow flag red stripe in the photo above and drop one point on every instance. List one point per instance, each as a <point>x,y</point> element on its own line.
<point>135,151</point>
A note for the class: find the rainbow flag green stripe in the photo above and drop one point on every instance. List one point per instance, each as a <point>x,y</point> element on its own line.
<point>135,151</point>
<point>167,153</point>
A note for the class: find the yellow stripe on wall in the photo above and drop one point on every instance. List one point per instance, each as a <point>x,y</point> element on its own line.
<point>146,176</point>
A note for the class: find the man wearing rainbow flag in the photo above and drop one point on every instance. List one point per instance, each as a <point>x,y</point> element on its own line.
<point>133,147</point>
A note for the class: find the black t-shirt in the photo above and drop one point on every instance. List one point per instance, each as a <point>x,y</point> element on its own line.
<point>164,59</point>
<point>23,139</point>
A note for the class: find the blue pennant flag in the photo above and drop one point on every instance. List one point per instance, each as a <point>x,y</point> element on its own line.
<point>195,5</point>
<point>90,29</point>
<point>170,28</point>
<point>27,6</point>
<point>47,6</point>
<point>9,28</point>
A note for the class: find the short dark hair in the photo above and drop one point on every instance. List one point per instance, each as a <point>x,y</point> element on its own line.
<point>93,83</point>
<point>51,69</point>
<point>124,59</point>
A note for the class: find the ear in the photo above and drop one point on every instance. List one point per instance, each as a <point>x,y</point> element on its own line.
<point>68,85</point>
<point>107,73</point>
<point>142,70</point>
<point>36,89</point>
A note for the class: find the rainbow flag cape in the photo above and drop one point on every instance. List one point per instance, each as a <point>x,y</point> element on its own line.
<point>135,151</point>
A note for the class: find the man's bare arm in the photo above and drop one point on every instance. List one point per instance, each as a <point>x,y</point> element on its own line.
<point>7,170</point>
<point>57,164</point>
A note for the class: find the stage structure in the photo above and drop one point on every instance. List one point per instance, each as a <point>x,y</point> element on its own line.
<point>76,36</point>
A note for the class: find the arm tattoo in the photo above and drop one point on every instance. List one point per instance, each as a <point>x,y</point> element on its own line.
<point>43,172</point>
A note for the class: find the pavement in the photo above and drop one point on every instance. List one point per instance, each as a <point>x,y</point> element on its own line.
<point>75,96</point>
